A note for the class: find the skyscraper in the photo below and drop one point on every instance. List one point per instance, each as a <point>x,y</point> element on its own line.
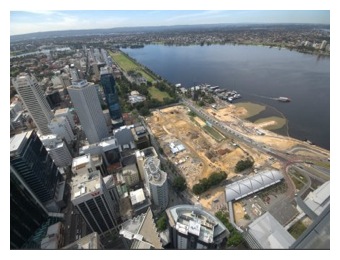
<point>34,100</point>
<point>94,201</point>
<point>108,82</point>
<point>87,105</point>
<point>30,161</point>
<point>57,149</point>
<point>156,182</point>
<point>27,212</point>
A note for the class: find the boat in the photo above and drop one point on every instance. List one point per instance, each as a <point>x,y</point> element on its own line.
<point>283,99</point>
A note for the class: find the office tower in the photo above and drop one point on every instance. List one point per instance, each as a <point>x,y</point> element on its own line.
<point>108,148</point>
<point>57,149</point>
<point>156,182</point>
<point>60,126</point>
<point>141,156</point>
<point>86,103</point>
<point>93,200</point>
<point>108,82</point>
<point>34,100</point>
<point>30,160</point>
<point>74,73</point>
<point>67,113</point>
<point>27,213</point>
<point>141,232</point>
<point>194,228</point>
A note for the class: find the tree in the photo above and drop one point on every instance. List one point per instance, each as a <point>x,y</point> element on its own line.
<point>144,111</point>
<point>243,164</point>
<point>198,189</point>
<point>235,239</point>
<point>200,103</point>
<point>179,184</point>
<point>161,223</point>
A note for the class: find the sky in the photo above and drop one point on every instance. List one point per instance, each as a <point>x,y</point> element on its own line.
<point>22,22</point>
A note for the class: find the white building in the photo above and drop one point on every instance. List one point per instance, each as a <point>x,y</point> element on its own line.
<point>88,163</point>
<point>269,233</point>
<point>141,156</point>
<point>194,228</point>
<point>92,199</point>
<point>156,182</point>
<point>34,100</point>
<point>57,149</point>
<point>87,105</point>
<point>323,45</point>
<point>61,127</point>
<point>67,113</point>
<point>108,148</point>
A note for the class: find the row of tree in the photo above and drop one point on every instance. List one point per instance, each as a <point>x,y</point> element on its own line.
<point>235,238</point>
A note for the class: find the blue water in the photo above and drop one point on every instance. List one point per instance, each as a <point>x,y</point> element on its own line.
<point>258,73</point>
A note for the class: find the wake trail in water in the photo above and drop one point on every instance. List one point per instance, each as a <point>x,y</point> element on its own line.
<point>263,97</point>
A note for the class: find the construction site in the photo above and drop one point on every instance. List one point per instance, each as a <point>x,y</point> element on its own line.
<point>198,149</point>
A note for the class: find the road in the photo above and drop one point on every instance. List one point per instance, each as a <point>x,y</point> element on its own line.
<point>286,158</point>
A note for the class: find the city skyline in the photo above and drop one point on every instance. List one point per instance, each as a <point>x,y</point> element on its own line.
<point>23,22</point>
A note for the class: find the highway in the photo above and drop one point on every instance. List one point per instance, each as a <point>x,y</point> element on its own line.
<point>287,158</point>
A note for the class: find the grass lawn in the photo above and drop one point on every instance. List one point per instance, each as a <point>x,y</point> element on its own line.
<point>157,94</point>
<point>298,179</point>
<point>127,64</point>
<point>297,229</point>
<point>215,134</point>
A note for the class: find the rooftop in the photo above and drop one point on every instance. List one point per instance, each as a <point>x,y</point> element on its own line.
<point>269,233</point>
<point>319,199</point>
<point>250,185</point>
<point>18,140</point>
<point>61,111</point>
<point>137,196</point>
<point>90,241</point>
<point>192,219</point>
<point>85,184</point>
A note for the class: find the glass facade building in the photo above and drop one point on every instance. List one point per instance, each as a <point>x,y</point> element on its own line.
<point>34,165</point>
<point>108,83</point>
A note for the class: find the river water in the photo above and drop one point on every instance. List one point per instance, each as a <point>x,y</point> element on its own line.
<point>259,74</point>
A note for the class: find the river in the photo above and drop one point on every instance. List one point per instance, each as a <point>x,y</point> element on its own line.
<point>259,74</point>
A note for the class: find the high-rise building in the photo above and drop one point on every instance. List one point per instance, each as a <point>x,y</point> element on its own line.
<point>60,126</point>
<point>26,210</point>
<point>86,103</point>
<point>156,182</point>
<point>93,200</point>
<point>111,96</point>
<point>141,156</point>
<point>57,149</point>
<point>31,161</point>
<point>34,100</point>
<point>108,148</point>
<point>67,113</point>
<point>194,228</point>
<point>74,73</point>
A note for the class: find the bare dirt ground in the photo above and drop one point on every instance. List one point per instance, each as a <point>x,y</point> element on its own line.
<point>266,124</point>
<point>203,154</point>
